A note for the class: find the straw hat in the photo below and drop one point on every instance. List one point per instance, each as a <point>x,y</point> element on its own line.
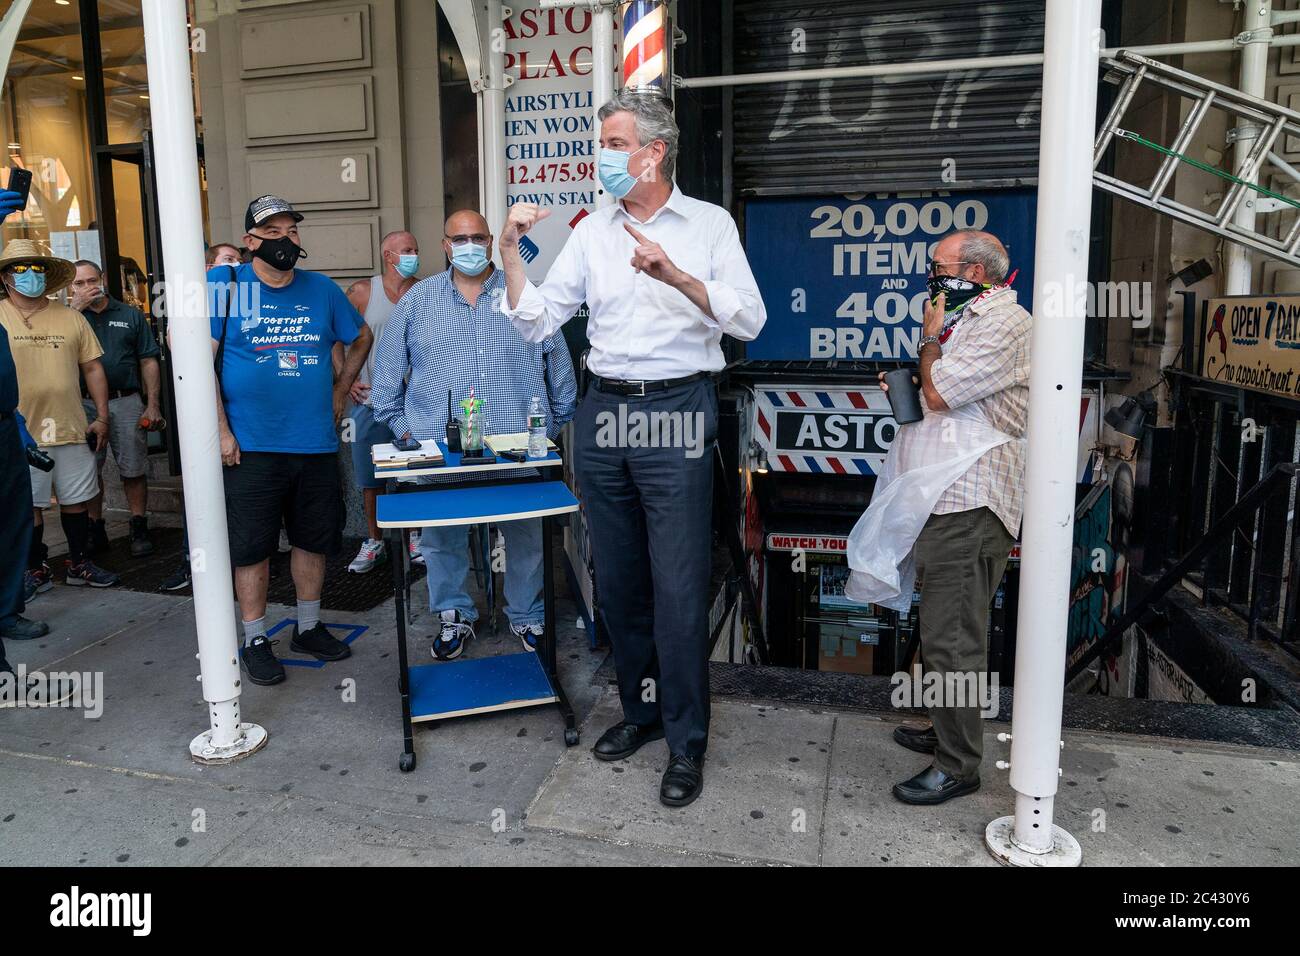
<point>59,273</point>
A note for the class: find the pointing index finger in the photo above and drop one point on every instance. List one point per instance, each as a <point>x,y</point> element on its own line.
<point>636,235</point>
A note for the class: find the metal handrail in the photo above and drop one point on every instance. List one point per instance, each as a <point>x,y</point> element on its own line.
<point>1278,477</point>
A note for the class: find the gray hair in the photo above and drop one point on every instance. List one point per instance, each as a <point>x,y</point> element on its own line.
<point>653,114</point>
<point>984,248</point>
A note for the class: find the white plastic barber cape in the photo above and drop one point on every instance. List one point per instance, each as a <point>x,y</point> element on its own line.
<point>924,460</point>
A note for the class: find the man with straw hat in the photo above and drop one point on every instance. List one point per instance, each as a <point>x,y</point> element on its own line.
<point>53,348</point>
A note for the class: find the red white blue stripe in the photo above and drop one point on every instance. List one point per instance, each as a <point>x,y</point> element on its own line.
<point>644,42</point>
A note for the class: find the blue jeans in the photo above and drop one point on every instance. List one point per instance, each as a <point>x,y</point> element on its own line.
<point>16,523</point>
<point>446,562</point>
<point>366,432</point>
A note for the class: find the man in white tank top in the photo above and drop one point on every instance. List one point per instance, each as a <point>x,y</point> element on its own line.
<point>375,298</point>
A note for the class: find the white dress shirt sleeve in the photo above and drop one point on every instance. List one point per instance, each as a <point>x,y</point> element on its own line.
<point>543,309</point>
<point>737,306</point>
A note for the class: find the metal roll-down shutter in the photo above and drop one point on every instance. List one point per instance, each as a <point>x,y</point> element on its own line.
<point>879,133</point>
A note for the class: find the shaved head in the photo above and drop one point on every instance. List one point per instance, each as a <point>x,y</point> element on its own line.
<point>466,222</point>
<point>397,240</point>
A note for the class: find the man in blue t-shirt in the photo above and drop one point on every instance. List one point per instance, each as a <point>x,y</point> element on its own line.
<point>278,407</point>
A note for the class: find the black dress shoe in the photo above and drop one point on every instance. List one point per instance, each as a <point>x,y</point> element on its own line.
<point>920,739</point>
<point>623,740</point>
<point>683,781</point>
<point>932,786</point>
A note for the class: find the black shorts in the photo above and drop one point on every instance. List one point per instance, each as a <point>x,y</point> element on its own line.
<point>268,487</point>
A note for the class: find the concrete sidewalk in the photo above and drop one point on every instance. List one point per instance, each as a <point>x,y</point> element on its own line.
<point>784,785</point>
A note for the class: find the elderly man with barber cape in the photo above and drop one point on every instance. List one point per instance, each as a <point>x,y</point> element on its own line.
<point>947,504</point>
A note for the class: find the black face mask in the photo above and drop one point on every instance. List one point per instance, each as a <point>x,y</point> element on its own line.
<point>957,291</point>
<point>279,253</point>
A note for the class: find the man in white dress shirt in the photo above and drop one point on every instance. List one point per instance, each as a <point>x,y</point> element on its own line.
<point>664,277</point>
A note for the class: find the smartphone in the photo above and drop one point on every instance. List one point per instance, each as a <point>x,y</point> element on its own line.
<point>20,181</point>
<point>92,439</point>
<point>406,444</point>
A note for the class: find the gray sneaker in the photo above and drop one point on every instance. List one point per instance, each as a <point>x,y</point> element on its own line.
<point>86,571</point>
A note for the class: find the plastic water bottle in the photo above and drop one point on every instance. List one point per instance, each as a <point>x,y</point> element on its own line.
<point>536,429</point>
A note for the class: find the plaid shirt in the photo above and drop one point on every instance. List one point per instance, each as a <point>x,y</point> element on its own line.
<point>436,341</point>
<point>986,361</point>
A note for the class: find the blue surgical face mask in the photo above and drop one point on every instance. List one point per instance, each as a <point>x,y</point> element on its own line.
<point>30,283</point>
<point>407,266</point>
<point>469,258</point>
<point>614,176</point>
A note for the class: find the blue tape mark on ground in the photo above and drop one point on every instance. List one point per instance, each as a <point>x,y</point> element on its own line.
<point>350,633</point>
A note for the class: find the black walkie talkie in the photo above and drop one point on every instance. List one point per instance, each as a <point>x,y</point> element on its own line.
<point>453,428</point>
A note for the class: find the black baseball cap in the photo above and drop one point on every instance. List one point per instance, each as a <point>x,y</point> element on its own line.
<point>264,207</point>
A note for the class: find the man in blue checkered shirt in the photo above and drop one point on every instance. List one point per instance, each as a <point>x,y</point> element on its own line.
<point>449,332</point>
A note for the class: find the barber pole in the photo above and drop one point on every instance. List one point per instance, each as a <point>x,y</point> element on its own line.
<point>645,45</point>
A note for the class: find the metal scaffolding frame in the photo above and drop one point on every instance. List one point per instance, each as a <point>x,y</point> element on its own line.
<point>1070,62</point>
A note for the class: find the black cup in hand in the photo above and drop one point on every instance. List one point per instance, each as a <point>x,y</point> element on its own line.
<point>38,459</point>
<point>904,396</point>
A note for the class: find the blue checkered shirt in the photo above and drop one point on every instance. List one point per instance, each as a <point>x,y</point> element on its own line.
<point>443,342</point>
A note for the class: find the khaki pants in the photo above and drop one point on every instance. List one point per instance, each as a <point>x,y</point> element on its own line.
<point>960,558</point>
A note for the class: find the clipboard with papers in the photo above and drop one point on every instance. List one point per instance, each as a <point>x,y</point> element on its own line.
<point>387,458</point>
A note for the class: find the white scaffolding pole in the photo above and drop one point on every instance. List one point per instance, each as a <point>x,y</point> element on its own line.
<point>493,111</point>
<point>1239,265</point>
<point>603,68</point>
<point>171,106</point>
<point>1070,54</point>
<point>602,83</point>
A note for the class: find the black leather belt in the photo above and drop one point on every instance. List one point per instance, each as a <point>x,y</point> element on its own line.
<point>640,388</point>
<point>115,393</point>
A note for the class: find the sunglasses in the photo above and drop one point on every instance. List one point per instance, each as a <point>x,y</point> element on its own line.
<point>944,265</point>
<point>37,267</point>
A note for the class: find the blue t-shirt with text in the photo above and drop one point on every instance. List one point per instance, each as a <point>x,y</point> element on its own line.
<point>277,380</point>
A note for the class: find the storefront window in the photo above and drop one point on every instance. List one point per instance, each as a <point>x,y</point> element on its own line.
<point>44,126</point>
<point>126,82</point>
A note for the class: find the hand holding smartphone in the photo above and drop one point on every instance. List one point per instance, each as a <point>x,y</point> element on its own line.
<point>17,192</point>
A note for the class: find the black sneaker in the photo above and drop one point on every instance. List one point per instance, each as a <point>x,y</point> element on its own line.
<point>262,666</point>
<point>320,644</point>
<point>141,546</point>
<point>178,580</point>
<point>98,537</point>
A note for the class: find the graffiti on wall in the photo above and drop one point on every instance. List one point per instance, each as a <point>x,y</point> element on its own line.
<point>1098,572</point>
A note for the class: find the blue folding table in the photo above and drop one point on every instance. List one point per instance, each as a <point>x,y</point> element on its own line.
<point>480,685</point>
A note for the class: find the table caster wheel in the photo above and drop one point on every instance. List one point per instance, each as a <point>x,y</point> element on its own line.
<point>570,737</point>
<point>406,763</point>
